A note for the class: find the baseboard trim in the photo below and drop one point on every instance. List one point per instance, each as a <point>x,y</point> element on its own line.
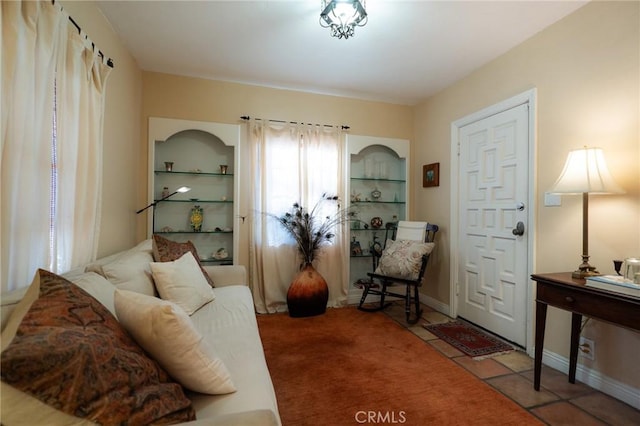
<point>443,308</point>
<point>595,379</point>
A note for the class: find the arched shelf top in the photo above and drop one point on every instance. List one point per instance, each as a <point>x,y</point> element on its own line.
<point>356,144</point>
<point>161,129</point>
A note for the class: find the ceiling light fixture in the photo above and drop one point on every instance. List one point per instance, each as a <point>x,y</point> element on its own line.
<point>342,16</point>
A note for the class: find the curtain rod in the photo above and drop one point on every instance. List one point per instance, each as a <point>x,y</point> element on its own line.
<point>93,45</point>
<point>246,118</point>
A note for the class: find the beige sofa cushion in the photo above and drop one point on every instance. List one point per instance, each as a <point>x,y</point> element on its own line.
<point>165,331</point>
<point>231,319</point>
<point>21,409</point>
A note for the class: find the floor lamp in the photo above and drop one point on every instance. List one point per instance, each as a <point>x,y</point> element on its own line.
<point>585,172</point>
<point>153,220</point>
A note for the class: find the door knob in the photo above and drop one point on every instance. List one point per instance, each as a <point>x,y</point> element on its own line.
<point>519,229</point>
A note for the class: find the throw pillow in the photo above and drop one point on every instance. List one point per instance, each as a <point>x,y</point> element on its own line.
<point>165,250</point>
<point>181,282</point>
<point>97,286</point>
<point>71,353</point>
<point>130,271</point>
<point>403,258</point>
<point>166,332</point>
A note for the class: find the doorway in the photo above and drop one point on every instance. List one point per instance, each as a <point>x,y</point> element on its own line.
<point>492,213</point>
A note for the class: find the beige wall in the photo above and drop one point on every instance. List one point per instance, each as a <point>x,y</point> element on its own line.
<point>122,135</point>
<point>587,75</point>
<point>197,99</point>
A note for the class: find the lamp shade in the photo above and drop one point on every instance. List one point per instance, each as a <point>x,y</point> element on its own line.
<point>586,171</point>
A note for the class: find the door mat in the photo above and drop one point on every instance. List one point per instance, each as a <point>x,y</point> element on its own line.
<point>468,339</point>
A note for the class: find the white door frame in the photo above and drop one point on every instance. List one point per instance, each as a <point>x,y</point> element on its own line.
<point>528,97</point>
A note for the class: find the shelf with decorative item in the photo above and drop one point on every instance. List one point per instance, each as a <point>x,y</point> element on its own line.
<point>227,261</point>
<point>197,200</point>
<point>192,173</point>
<point>366,179</point>
<point>369,229</point>
<point>359,203</point>
<point>221,231</point>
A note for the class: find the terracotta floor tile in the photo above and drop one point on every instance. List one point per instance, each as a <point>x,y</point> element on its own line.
<point>422,333</point>
<point>608,409</point>
<point>445,348</point>
<point>558,383</point>
<point>435,317</point>
<point>564,414</point>
<point>517,361</point>
<point>484,368</point>
<point>521,390</point>
<point>558,402</point>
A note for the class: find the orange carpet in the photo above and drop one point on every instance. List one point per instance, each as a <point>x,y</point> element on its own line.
<point>349,367</point>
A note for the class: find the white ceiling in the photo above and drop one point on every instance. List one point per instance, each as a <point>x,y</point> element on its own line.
<point>408,50</point>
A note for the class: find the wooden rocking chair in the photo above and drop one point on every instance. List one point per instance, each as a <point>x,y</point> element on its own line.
<point>402,262</point>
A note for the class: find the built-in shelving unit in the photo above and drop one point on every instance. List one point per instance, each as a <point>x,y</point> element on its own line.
<point>202,156</point>
<point>378,187</point>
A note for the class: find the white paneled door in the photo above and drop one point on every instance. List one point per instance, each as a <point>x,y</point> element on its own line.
<point>492,275</point>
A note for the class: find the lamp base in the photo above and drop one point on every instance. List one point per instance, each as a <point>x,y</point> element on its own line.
<point>584,274</point>
<point>585,270</point>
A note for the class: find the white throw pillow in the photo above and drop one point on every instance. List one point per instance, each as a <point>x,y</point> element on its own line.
<point>167,333</point>
<point>97,286</point>
<point>130,272</point>
<point>182,282</point>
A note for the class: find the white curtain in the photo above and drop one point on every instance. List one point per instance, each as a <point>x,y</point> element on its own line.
<point>292,163</point>
<point>38,43</point>
<point>80,87</point>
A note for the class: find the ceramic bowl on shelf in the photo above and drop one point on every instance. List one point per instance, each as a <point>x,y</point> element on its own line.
<point>221,253</point>
<point>376,222</point>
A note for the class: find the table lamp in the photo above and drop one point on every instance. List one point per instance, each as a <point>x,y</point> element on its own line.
<point>585,172</point>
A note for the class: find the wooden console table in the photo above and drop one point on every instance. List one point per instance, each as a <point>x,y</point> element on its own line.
<point>570,294</point>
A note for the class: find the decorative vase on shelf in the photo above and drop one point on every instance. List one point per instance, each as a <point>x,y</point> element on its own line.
<point>376,222</point>
<point>168,166</point>
<point>308,293</point>
<point>196,217</point>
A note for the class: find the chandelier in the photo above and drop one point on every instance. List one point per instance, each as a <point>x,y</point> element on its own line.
<point>342,16</point>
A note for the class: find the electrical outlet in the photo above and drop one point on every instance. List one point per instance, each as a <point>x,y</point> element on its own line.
<point>587,348</point>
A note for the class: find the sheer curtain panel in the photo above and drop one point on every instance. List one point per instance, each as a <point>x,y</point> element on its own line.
<point>292,163</point>
<point>31,38</point>
<point>81,81</point>
<point>37,42</point>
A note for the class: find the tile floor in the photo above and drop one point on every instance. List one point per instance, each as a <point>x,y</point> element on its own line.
<point>558,402</point>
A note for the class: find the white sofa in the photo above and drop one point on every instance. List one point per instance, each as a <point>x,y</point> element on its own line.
<point>228,323</point>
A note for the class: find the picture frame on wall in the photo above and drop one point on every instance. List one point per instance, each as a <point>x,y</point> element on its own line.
<point>431,175</point>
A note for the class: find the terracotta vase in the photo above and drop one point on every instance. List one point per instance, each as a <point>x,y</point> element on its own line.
<point>308,293</point>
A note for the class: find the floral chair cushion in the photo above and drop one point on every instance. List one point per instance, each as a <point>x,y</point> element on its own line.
<point>403,258</point>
